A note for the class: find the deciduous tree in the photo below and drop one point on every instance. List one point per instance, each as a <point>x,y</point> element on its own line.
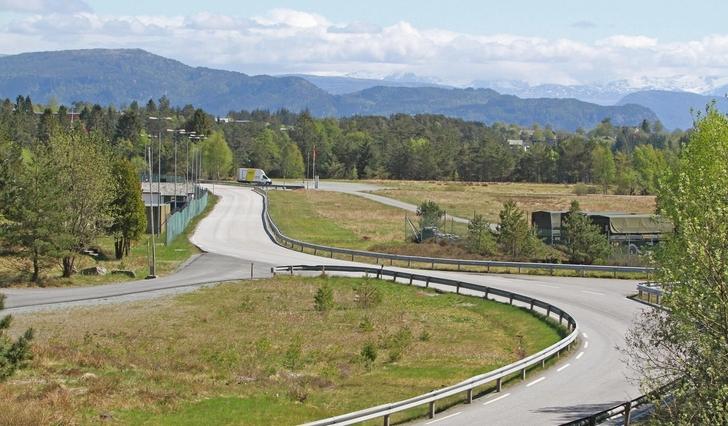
<point>688,344</point>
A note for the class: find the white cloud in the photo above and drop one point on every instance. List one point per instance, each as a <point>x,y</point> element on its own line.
<point>285,41</point>
<point>44,6</point>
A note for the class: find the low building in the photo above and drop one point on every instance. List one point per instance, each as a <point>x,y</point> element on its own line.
<point>631,229</point>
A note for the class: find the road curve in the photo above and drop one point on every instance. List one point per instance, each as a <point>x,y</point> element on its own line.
<point>589,379</point>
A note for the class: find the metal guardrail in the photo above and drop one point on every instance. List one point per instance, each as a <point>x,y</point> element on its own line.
<point>467,386</point>
<point>625,410</point>
<point>650,289</point>
<point>253,185</point>
<point>292,243</point>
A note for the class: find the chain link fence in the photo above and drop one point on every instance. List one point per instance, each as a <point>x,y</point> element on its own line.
<point>177,223</point>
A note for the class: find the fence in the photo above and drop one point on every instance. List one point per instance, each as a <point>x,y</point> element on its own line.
<point>177,223</point>
<point>466,387</point>
<point>317,249</point>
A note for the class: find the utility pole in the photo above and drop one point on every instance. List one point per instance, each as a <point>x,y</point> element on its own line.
<point>152,266</point>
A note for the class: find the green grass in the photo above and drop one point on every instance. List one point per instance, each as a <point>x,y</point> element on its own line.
<point>223,355</point>
<point>14,271</point>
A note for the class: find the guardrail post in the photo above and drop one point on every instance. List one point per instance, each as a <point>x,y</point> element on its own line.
<point>431,411</point>
<point>331,254</point>
<point>561,317</point>
<point>548,311</point>
<point>485,295</point>
<point>273,271</point>
<point>409,263</point>
<point>352,257</point>
<point>391,261</point>
<point>315,252</point>
<point>251,271</point>
<point>427,282</point>
<point>433,265</point>
<point>394,277</point>
<point>510,300</point>
<point>523,374</point>
<point>386,420</point>
<point>499,385</point>
<point>410,279</point>
<point>469,397</point>
<point>551,269</point>
<point>531,308</point>
<point>627,413</point>
<point>290,268</point>
<point>457,288</point>
<point>543,363</point>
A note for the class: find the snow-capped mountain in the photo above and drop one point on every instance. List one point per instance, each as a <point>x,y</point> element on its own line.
<point>611,92</point>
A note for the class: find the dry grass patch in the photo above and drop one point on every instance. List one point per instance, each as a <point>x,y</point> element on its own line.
<point>258,353</point>
<point>464,198</point>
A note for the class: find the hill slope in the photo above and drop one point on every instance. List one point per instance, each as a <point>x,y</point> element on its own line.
<point>674,108</point>
<point>121,76</point>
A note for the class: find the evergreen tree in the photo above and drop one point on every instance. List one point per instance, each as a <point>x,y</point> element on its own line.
<point>514,235</point>
<point>480,239</point>
<point>13,354</point>
<point>582,239</point>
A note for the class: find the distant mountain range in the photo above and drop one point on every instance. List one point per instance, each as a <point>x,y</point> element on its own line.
<point>121,76</point>
<point>675,108</point>
<point>343,85</point>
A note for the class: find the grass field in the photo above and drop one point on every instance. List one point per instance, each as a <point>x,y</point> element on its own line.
<point>258,353</point>
<point>15,271</point>
<point>465,198</point>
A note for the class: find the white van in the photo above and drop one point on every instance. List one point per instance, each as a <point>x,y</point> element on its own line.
<point>256,176</point>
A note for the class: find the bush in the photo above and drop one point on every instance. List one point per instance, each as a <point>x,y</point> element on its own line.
<point>425,336</point>
<point>324,298</point>
<point>398,344</point>
<point>292,357</point>
<point>368,354</point>
<point>367,295</point>
<point>366,325</point>
<point>584,189</point>
<point>13,355</point>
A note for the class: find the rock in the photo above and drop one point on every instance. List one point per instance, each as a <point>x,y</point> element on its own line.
<point>89,376</point>
<point>129,274</point>
<point>106,416</point>
<point>94,270</point>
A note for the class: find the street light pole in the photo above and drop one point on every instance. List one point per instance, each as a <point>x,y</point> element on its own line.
<point>152,266</point>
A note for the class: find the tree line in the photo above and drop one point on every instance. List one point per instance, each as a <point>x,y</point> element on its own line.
<point>627,159</point>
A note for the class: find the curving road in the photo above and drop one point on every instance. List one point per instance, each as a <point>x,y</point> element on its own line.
<point>591,378</point>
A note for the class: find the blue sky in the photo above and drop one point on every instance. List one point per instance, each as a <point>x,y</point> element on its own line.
<point>645,43</point>
<point>668,20</point>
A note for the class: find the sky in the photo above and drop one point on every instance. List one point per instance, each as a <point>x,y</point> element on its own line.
<point>454,42</point>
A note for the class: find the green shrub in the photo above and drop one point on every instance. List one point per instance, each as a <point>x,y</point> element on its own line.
<point>324,298</point>
<point>13,355</point>
<point>368,354</point>
<point>292,357</point>
<point>367,295</point>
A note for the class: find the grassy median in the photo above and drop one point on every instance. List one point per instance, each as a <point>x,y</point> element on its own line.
<point>259,353</point>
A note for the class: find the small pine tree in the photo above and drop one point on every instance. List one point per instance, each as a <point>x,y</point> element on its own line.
<point>324,298</point>
<point>13,354</point>
<point>369,354</point>
<point>582,239</point>
<point>480,239</point>
<point>514,235</point>
<point>430,214</point>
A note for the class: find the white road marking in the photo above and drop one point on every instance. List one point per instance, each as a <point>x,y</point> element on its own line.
<point>545,285</point>
<point>585,336</point>
<point>592,292</point>
<point>563,368</point>
<point>443,418</point>
<point>535,381</point>
<point>496,399</point>
<point>580,354</point>
<point>586,345</point>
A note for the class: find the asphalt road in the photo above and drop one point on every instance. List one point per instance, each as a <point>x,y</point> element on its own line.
<point>591,378</point>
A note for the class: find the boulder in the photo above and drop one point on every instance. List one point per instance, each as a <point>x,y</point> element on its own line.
<point>94,270</point>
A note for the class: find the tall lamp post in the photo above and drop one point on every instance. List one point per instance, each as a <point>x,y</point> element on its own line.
<point>174,140</point>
